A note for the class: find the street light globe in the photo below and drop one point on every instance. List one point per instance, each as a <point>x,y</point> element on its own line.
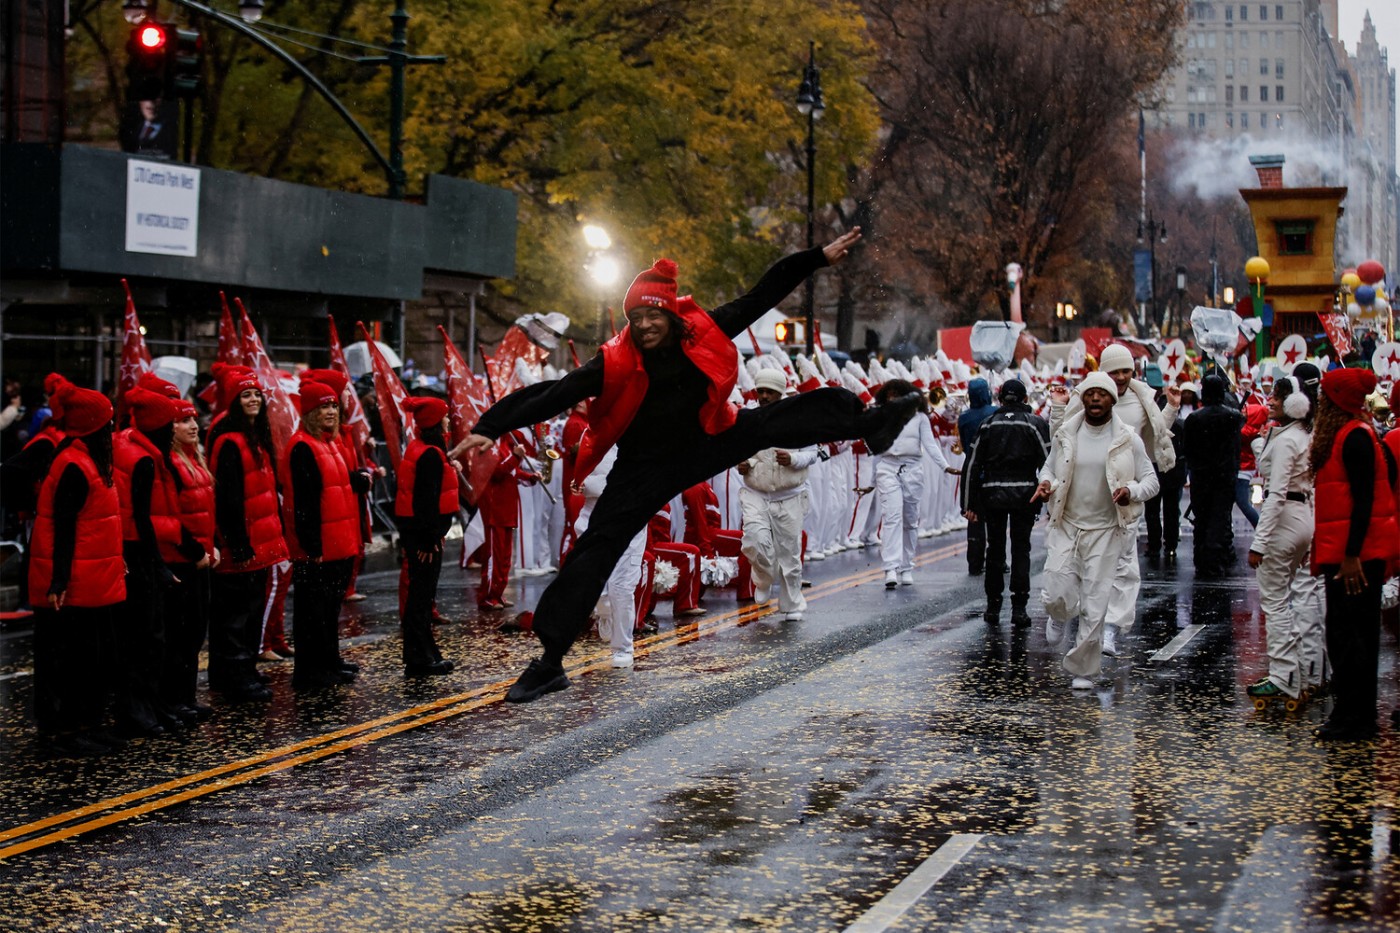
<point>1256,269</point>
<point>134,11</point>
<point>596,237</point>
<point>250,10</point>
<point>1229,295</point>
<point>605,270</point>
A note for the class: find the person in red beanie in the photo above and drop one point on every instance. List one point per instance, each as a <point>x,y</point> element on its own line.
<point>661,393</point>
<point>1355,538</point>
<point>22,475</point>
<point>339,383</point>
<point>153,539</point>
<point>247,531</point>
<point>424,505</point>
<point>76,577</point>
<point>320,516</point>
<point>187,626</point>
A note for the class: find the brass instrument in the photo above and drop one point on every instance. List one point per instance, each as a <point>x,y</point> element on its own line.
<point>937,395</point>
<point>547,468</point>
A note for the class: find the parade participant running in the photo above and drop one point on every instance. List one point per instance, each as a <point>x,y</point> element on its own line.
<point>661,393</point>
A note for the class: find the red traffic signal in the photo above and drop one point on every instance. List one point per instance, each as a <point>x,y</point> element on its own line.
<point>150,37</point>
<point>148,61</point>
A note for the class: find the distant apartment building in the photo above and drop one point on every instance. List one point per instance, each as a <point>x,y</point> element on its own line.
<point>1276,74</point>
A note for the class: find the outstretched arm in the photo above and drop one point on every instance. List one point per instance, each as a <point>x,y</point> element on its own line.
<point>779,281</point>
<point>533,404</point>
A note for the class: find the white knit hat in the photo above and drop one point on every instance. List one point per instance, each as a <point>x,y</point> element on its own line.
<point>1097,381</point>
<point>1115,356</point>
<point>772,379</point>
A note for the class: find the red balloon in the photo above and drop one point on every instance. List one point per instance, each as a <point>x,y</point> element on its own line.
<point>1370,272</point>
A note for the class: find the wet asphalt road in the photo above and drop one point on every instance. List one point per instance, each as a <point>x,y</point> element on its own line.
<point>890,762</point>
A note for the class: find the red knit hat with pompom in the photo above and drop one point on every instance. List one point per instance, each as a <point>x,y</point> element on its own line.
<point>233,381</point>
<point>150,411</point>
<point>314,395</point>
<point>334,378</point>
<point>153,383</point>
<point>80,411</point>
<point>654,288</point>
<point>427,411</point>
<point>1348,388</point>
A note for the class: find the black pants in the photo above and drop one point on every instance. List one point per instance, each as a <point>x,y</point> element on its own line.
<point>1163,513</point>
<point>235,628</point>
<point>976,545</point>
<point>73,669</point>
<point>419,646</point>
<point>140,641</point>
<point>186,623</point>
<point>318,590</point>
<point>1213,546</point>
<point>1353,648</point>
<point>639,486</point>
<point>1019,523</point>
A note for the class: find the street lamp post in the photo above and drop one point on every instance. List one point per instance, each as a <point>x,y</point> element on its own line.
<point>1180,300</point>
<point>811,105</point>
<point>1155,231</point>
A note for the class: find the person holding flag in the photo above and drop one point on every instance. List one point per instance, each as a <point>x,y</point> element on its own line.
<point>424,505</point>
<point>660,392</point>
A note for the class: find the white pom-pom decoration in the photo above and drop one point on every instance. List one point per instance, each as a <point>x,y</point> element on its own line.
<point>664,577</point>
<point>718,571</point>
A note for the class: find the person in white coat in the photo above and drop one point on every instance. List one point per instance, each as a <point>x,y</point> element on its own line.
<point>899,480</point>
<point>774,500</point>
<point>1290,597</point>
<point>1096,478</point>
<point>620,605</point>
<point>1136,407</point>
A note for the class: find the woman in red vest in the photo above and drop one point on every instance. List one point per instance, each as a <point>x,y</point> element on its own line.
<point>320,514</point>
<point>661,391</point>
<point>339,383</point>
<point>1356,537</point>
<point>247,532</point>
<point>188,624</point>
<point>153,539</point>
<point>425,502</point>
<point>76,578</point>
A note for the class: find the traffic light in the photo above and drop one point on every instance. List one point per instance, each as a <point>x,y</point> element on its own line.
<point>791,332</point>
<point>187,63</point>
<point>148,60</point>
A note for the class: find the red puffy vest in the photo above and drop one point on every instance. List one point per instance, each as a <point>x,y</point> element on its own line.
<point>129,448</point>
<point>408,473</point>
<point>262,516</point>
<point>340,521</point>
<point>1332,507</point>
<point>195,499</point>
<point>98,575</point>
<point>625,384</point>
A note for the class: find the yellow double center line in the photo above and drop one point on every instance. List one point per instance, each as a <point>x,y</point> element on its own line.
<point>71,823</point>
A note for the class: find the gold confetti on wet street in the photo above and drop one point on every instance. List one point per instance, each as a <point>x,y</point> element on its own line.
<point>889,762</point>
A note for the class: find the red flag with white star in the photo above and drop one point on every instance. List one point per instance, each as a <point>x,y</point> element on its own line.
<point>281,414</point>
<point>467,396</point>
<point>1338,329</point>
<point>390,394</point>
<point>136,359</point>
<point>230,353</point>
<point>359,425</point>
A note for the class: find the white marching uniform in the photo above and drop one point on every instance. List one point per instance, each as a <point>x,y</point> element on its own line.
<point>899,479</point>
<point>1088,531</point>
<point>621,601</point>
<point>775,500</point>
<point>1291,598</point>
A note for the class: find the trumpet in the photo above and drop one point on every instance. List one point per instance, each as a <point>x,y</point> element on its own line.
<point>547,467</point>
<point>937,396</point>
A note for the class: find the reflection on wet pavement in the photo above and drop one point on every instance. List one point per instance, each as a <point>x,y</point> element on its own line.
<point>752,775</point>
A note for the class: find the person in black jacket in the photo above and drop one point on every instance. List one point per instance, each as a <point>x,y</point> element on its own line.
<point>1211,439</point>
<point>1163,511</point>
<point>980,408</point>
<point>425,505</point>
<point>999,481</point>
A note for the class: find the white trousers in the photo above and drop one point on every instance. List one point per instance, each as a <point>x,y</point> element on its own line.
<point>620,603</point>
<point>1293,602</point>
<point>1079,580</point>
<point>772,542</point>
<point>1127,583</point>
<point>900,483</point>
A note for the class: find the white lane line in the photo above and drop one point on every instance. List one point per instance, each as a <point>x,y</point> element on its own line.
<point>1177,643</point>
<point>906,894</point>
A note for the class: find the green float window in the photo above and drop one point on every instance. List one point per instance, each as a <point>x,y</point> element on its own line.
<point>1295,237</point>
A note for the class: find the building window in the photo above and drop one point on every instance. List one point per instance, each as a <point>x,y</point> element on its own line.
<point>1244,13</point>
<point>1229,67</point>
<point>1244,121</point>
<point>1210,40</point>
<point>1278,39</point>
<point>1229,93</point>
<point>1278,13</point>
<point>1201,120</point>
<point>1244,93</point>
<point>1263,40</point>
<point>1278,68</point>
<point>1278,94</point>
<point>1191,120</point>
<point>1263,67</point>
<point>1229,13</point>
<point>1229,120</point>
<point>1244,40</point>
<point>1263,93</point>
<point>1295,237</point>
<point>1278,120</point>
<point>1263,12</point>
<point>1229,40</point>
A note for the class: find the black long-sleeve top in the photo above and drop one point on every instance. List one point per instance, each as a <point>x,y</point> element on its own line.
<point>21,474</point>
<point>229,512</point>
<point>1359,461</point>
<point>306,494</point>
<point>425,528</point>
<point>667,420</point>
<point>143,482</point>
<point>68,500</point>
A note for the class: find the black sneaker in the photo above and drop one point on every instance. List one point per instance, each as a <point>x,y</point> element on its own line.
<point>540,677</point>
<point>1020,617</point>
<point>435,669</point>
<point>891,418</point>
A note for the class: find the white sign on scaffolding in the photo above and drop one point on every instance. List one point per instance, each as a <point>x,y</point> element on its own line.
<point>162,208</point>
